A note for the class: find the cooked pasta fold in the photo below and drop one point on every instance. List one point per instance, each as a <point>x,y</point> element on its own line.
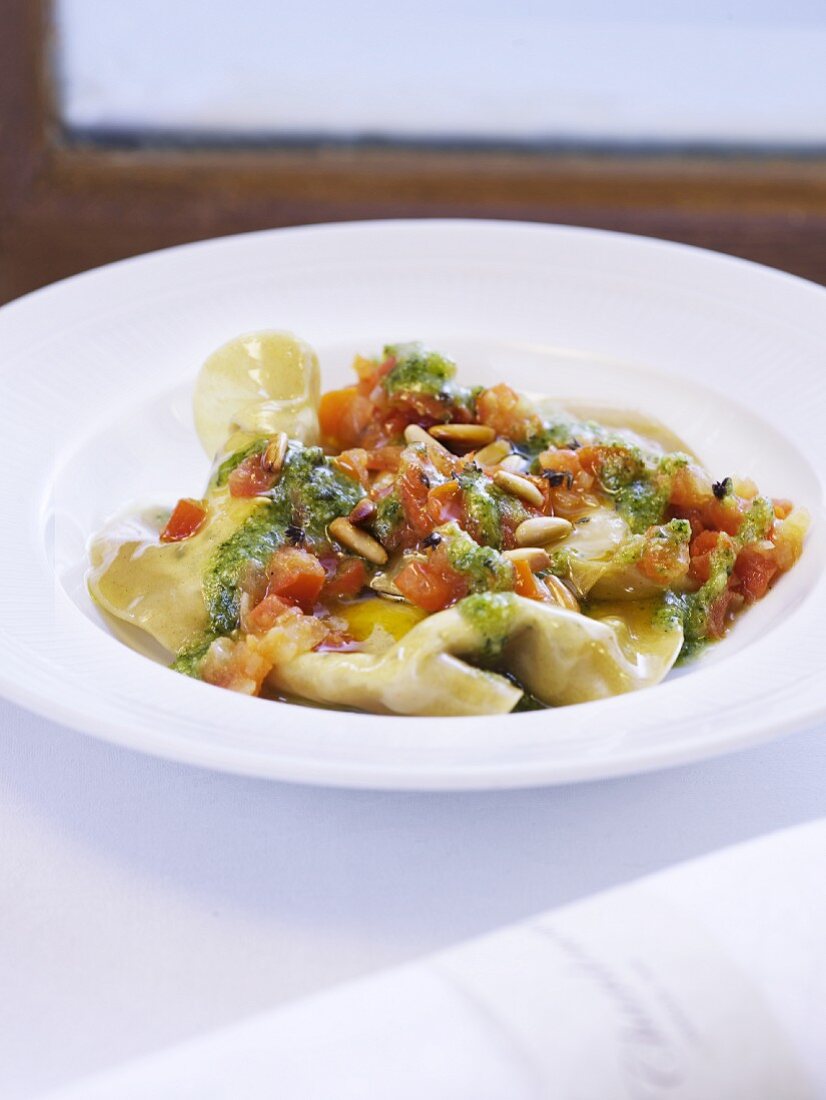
<point>412,545</point>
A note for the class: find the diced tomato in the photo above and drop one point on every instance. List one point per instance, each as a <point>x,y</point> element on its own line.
<point>610,463</point>
<point>756,568</point>
<point>561,460</point>
<point>507,412</point>
<point>353,462</point>
<point>782,508</point>
<point>693,517</point>
<point>296,576</point>
<point>690,487</point>
<point>568,484</point>
<point>389,428</point>
<point>428,587</point>
<point>187,517</point>
<point>251,478</point>
<point>725,515</point>
<point>237,665</point>
<point>348,580</point>
<point>720,613</point>
<point>445,503</point>
<point>413,486</point>
<point>343,415</point>
<point>370,372</point>
<point>527,583</point>
<point>664,561</point>
<point>384,458</point>
<point>265,614</point>
<point>701,549</point>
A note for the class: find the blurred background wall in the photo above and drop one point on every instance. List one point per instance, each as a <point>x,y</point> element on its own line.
<point>127,126</point>
<point>706,74</point>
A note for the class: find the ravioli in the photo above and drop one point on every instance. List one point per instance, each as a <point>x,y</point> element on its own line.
<point>409,545</point>
<point>560,656</point>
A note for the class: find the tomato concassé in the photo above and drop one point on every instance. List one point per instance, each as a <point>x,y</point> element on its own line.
<point>421,494</point>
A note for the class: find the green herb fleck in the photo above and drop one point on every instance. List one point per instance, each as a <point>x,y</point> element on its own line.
<point>484,568</point>
<point>252,545</point>
<point>420,370</point>
<point>190,658</point>
<point>692,609</point>
<point>314,492</point>
<point>388,520</point>
<point>235,460</point>
<point>486,505</point>
<point>757,522</point>
<point>490,614</point>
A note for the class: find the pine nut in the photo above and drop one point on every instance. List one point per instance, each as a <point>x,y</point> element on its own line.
<point>363,511</point>
<point>275,453</point>
<point>562,593</point>
<point>542,530</point>
<point>514,464</point>
<point>463,436</point>
<point>493,453</point>
<point>519,486</point>
<point>535,556</point>
<point>415,433</point>
<point>273,457</point>
<point>360,542</point>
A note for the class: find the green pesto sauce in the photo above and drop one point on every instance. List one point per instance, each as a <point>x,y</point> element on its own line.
<point>314,492</point>
<point>639,481</point>
<point>191,657</point>
<point>485,569</point>
<point>641,491</point>
<point>486,505</point>
<point>691,609</point>
<point>419,370</point>
<point>675,533</point>
<point>757,522</point>
<point>641,504</point>
<point>563,432</point>
<point>490,614</point>
<point>309,495</point>
<point>388,519</point>
<point>560,562</point>
<point>252,544</point>
<point>235,460</point>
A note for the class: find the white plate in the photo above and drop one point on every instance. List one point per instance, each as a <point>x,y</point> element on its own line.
<point>96,374</point>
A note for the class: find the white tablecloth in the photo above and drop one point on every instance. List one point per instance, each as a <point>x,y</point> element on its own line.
<point>143,902</point>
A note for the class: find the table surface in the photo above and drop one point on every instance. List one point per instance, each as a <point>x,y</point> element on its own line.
<point>143,902</point>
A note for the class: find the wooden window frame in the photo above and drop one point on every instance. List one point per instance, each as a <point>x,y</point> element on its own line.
<point>65,207</point>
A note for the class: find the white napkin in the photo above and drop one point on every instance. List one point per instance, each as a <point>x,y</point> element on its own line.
<point>706,982</point>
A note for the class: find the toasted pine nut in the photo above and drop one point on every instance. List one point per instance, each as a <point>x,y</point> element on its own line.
<point>493,453</point>
<point>514,464</point>
<point>363,511</point>
<point>276,452</point>
<point>535,556</point>
<point>562,593</point>
<point>344,532</point>
<point>414,433</point>
<point>542,530</point>
<point>463,436</point>
<point>519,486</point>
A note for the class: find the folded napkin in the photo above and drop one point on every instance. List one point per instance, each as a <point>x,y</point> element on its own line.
<point>705,982</point>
